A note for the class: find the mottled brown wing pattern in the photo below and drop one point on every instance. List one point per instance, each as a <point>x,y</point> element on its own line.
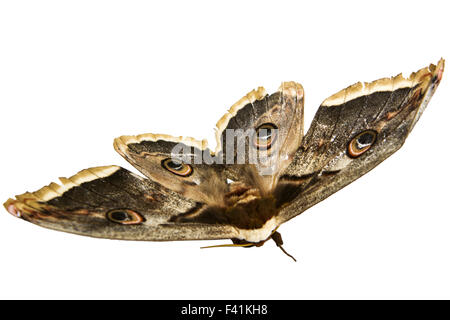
<point>351,133</point>
<point>152,155</point>
<point>112,202</point>
<point>255,112</point>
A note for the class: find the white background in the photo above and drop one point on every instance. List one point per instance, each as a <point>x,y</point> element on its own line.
<point>76,74</point>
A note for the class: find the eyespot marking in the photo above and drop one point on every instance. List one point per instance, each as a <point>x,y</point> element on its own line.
<point>177,167</point>
<point>124,216</point>
<point>265,135</point>
<point>362,142</point>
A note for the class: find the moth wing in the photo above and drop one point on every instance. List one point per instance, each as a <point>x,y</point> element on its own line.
<point>112,202</point>
<point>195,179</point>
<point>351,133</point>
<point>257,162</point>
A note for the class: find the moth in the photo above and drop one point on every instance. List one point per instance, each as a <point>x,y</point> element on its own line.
<point>263,172</point>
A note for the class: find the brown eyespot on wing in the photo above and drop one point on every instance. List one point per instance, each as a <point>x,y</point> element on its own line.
<point>112,202</point>
<point>352,132</point>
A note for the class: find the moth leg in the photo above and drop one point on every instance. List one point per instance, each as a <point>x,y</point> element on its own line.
<point>276,236</point>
